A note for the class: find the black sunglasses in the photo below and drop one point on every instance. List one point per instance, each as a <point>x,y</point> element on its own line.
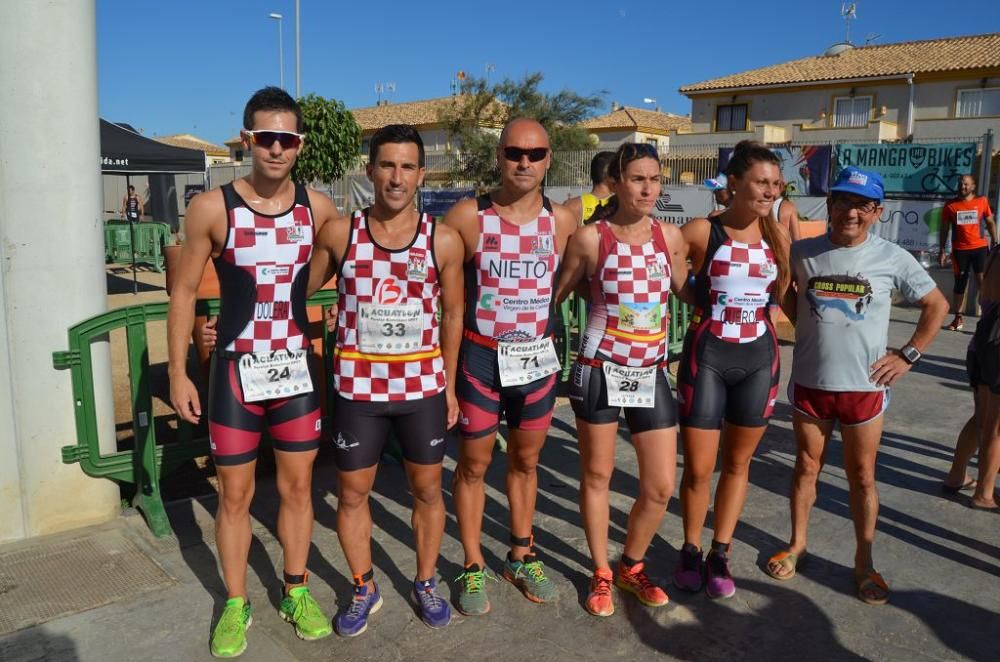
<point>534,154</point>
<point>265,139</point>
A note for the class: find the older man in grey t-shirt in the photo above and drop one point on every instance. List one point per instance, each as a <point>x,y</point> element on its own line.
<point>841,369</point>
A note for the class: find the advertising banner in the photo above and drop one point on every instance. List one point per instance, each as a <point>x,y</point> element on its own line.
<point>913,224</point>
<point>806,170</point>
<point>932,170</point>
<point>437,201</point>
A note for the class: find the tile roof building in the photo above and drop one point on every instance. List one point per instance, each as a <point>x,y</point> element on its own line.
<point>936,89</point>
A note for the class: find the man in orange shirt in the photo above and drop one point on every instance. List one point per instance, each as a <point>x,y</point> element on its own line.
<point>966,215</point>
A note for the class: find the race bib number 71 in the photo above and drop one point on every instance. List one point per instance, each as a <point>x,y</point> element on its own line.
<point>525,362</point>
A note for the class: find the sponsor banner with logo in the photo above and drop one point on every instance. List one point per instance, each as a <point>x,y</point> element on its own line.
<point>437,201</point>
<point>913,224</point>
<point>806,169</point>
<point>679,204</point>
<point>932,170</point>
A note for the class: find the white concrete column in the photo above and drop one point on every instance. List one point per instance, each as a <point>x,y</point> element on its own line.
<point>51,260</point>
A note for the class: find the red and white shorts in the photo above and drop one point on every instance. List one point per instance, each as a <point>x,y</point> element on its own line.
<point>849,407</point>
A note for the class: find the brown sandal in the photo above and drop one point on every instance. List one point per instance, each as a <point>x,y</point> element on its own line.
<point>784,560</point>
<point>870,580</point>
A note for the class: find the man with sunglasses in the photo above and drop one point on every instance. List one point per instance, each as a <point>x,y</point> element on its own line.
<point>841,369</point>
<point>259,232</point>
<point>394,364</point>
<point>513,239</point>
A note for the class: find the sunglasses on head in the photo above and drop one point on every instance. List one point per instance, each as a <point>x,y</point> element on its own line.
<point>534,154</point>
<point>288,139</point>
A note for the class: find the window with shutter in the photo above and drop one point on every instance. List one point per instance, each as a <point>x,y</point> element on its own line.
<point>851,111</point>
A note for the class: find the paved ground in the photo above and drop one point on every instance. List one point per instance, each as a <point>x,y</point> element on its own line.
<point>941,559</point>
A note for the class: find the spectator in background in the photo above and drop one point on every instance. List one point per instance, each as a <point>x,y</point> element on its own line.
<point>721,193</point>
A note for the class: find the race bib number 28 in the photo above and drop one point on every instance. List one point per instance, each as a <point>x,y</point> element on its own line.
<point>278,374</point>
<point>630,387</point>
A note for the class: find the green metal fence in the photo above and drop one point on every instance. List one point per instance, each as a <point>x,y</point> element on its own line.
<point>147,461</point>
<point>150,237</point>
<point>149,458</point>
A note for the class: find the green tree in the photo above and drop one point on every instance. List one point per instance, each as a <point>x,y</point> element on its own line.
<point>476,115</point>
<point>333,141</point>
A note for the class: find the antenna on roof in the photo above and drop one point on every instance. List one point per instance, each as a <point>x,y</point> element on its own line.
<point>871,37</point>
<point>849,12</point>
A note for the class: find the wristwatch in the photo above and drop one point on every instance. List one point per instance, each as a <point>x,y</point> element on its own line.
<point>910,354</point>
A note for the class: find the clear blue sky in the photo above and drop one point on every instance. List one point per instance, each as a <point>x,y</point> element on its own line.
<point>188,66</point>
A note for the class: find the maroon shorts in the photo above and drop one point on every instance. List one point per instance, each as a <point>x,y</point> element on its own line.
<point>482,400</point>
<point>848,407</point>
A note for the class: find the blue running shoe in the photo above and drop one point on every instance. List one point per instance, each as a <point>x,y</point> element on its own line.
<point>352,619</point>
<point>434,611</point>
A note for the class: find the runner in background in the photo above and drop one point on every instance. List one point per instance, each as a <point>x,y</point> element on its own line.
<point>132,208</point>
<point>584,206</point>
<point>629,262</point>
<point>968,219</point>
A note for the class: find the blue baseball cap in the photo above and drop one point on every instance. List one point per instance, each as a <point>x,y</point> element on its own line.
<point>717,183</point>
<point>860,182</point>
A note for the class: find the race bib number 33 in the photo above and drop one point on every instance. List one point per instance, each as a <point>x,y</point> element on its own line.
<point>630,387</point>
<point>278,374</point>
<point>390,329</point>
<point>525,362</point>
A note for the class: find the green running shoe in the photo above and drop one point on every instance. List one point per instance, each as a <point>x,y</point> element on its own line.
<point>472,600</point>
<point>229,639</point>
<point>300,608</point>
<point>529,576</point>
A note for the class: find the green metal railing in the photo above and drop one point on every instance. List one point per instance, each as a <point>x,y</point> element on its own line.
<point>144,464</point>
<point>147,461</point>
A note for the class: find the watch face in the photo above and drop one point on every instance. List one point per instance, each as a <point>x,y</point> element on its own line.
<point>911,353</point>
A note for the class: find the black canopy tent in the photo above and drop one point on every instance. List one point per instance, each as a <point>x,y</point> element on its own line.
<point>125,152</point>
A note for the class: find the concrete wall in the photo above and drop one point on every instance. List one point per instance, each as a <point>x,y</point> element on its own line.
<point>51,262</point>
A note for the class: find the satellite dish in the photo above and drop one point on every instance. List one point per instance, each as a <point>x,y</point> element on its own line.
<point>838,48</point>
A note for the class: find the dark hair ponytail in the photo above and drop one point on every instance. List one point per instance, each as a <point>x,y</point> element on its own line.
<point>745,155</point>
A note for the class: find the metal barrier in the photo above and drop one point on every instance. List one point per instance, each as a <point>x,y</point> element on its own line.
<point>147,461</point>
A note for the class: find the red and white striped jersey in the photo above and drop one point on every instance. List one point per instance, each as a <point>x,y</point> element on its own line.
<point>742,277</point>
<point>387,329</point>
<point>627,322</point>
<point>262,275</point>
<point>510,282</point>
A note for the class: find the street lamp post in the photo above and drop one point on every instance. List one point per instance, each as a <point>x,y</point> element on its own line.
<point>281,50</point>
<point>298,72</point>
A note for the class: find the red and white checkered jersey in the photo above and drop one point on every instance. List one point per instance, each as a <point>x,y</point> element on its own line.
<point>627,321</point>
<point>262,275</point>
<point>741,279</point>
<point>509,283</point>
<point>371,274</point>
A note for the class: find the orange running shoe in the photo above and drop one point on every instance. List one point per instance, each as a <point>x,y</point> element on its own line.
<point>634,580</point>
<point>599,601</point>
